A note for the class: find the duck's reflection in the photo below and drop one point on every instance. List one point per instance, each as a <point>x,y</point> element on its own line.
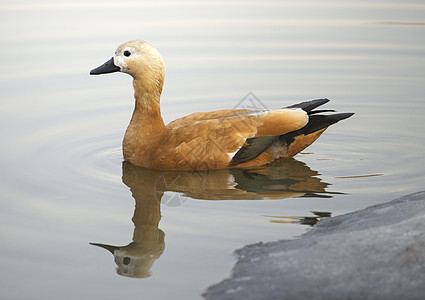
<point>150,188</point>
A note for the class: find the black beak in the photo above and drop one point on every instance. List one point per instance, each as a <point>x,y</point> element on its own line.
<point>107,247</point>
<point>108,67</point>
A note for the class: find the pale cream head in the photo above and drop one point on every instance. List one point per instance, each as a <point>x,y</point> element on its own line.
<point>143,62</point>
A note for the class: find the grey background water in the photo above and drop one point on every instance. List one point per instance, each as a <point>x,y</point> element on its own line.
<point>61,130</point>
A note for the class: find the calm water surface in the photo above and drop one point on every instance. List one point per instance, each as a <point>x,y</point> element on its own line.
<point>64,185</point>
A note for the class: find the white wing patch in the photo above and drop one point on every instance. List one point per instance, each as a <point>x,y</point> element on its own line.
<point>233,153</point>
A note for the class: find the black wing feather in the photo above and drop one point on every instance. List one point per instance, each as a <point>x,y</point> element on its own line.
<point>254,147</point>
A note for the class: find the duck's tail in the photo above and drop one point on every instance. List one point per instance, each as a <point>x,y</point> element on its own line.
<point>291,143</point>
<point>319,120</point>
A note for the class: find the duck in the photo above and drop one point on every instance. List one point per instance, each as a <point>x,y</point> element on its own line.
<point>228,138</point>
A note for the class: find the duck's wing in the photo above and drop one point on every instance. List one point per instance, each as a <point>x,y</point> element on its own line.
<point>208,144</point>
<point>210,140</point>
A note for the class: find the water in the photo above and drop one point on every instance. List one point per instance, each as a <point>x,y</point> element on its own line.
<point>62,179</point>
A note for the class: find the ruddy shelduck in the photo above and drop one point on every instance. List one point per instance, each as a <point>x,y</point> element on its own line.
<point>207,140</point>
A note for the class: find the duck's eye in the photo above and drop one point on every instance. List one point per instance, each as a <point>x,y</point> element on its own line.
<point>127,53</point>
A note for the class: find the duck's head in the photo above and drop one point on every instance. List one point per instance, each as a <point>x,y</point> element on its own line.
<point>140,60</point>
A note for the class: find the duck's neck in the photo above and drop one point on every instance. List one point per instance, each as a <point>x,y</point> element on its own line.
<point>146,125</point>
